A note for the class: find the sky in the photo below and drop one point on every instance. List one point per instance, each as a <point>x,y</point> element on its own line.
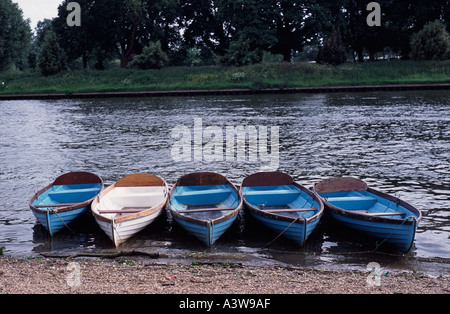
<point>37,10</point>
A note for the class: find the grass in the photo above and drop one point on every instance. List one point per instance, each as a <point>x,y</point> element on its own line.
<point>258,76</point>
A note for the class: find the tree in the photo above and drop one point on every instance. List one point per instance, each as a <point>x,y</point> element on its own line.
<point>294,23</point>
<point>246,23</point>
<point>118,25</point>
<point>77,41</point>
<point>199,23</point>
<point>15,34</point>
<point>332,51</point>
<point>51,58</point>
<point>431,43</point>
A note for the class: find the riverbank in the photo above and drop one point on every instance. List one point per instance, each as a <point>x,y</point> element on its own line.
<point>120,276</point>
<point>257,78</point>
<point>234,91</point>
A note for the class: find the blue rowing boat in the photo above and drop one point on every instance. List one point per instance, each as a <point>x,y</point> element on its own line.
<point>274,199</point>
<point>205,204</point>
<point>67,198</point>
<point>386,218</point>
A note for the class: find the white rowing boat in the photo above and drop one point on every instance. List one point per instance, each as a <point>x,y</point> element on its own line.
<point>129,205</point>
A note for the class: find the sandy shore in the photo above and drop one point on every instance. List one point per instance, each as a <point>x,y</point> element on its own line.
<point>87,276</point>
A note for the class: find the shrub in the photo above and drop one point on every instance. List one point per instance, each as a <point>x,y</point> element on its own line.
<point>239,53</point>
<point>431,43</point>
<point>51,58</point>
<point>152,57</point>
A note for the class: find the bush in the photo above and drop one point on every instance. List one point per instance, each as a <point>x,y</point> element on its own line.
<point>332,51</point>
<point>51,58</point>
<point>239,53</point>
<point>431,43</point>
<point>152,57</point>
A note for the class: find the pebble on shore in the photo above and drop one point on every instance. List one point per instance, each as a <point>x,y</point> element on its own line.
<point>95,276</point>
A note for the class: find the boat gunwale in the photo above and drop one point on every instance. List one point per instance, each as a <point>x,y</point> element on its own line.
<point>282,178</point>
<point>216,179</point>
<point>62,209</point>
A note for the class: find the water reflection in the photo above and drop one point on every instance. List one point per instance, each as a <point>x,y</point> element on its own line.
<point>398,141</point>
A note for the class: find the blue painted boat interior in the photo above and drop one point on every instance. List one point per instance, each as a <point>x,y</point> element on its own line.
<point>280,197</point>
<point>365,201</point>
<point>204,196</point>
<point>73,193</point>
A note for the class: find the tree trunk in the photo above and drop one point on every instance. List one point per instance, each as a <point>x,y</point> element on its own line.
<point>124,61</point>
<point>360,55</point>
<point>84,60</point>
<point>287,55</point>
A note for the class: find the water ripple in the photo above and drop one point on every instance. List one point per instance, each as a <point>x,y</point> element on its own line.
<point>398,141</point>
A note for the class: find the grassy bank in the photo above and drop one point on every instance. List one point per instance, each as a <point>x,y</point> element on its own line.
<point>258,76</point>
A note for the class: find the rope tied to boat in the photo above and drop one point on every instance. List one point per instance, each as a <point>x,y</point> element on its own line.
<point>281,233</point>
<point>53,211</point>
<point>378,243</point>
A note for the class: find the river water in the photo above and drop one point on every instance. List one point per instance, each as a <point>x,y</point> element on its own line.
<point>398,142</point>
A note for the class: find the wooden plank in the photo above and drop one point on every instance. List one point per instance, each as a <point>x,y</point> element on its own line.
<point>56,205</point>
<point>124,210</point>
<point>292,210</point>
<point>387,214</point>
<point>203,192</point>
<point>205,210</point>
<point>271,192</point>
<point>140,179</point>
<point>366,212</point>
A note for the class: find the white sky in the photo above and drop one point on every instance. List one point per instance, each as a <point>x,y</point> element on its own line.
<point>37,10</point>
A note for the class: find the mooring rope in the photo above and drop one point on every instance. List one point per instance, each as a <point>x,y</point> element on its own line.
<point>378,243</point>
<point>294,221</point>
<point>54,212</point>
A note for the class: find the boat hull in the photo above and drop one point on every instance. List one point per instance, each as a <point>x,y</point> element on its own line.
<point>65,200</point>
<point>207,233</point>
<point>298,232</point>
<point>55,222</point>
<point>205,205</point>
<point>299,210</point>
<point>383,217</point>
<point>401,236</point>
<point>120,232</point>
<point>129,206</point>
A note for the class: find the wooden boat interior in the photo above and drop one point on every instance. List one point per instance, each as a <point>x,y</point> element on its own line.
<point>132,194</point>
<point>285,200</point>
<point>127,200</point>
<point>364,202</point>
<point>67,195</point>
<point>196,199</point>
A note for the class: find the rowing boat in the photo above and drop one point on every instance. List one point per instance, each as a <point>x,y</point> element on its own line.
<point>381,216</point>
<point>129,205</point>
<point>205,204</point>
<point>66,199</point>
<point>274,199</point>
